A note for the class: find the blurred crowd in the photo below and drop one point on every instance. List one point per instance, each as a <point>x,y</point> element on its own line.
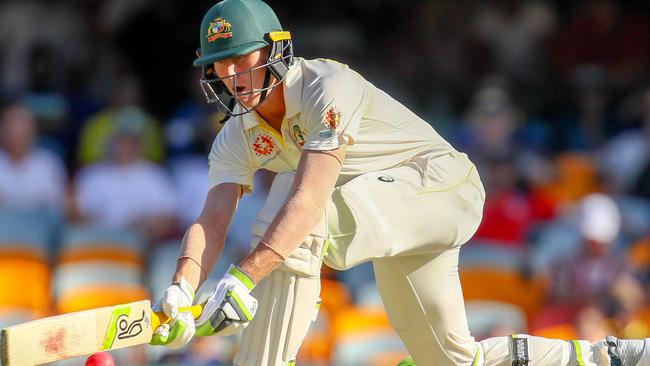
<point>103,124</point>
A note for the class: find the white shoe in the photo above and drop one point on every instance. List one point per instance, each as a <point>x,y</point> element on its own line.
<point>625,352</point>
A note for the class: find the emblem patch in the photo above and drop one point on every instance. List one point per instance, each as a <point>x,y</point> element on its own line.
<point>298,136</point>
<point>263,145</point>
<point>332,117</point>
<point>219,28</point>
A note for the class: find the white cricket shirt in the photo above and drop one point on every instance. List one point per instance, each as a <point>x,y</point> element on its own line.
<point>328,105</point>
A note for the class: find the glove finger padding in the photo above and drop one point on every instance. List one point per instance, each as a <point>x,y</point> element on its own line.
<point>182,327</point>
<point>175,297</point>
<point>177,333</point>
<point>233,314</point>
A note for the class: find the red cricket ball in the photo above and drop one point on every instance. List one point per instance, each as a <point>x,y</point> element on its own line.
<point>100,359</point>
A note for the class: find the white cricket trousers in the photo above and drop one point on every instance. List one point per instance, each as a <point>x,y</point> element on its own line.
<point>424,301</point>
<point>411,221</point>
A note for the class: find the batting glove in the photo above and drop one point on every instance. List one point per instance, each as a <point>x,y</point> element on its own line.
<point>181,329</point>
<point>230,307</point>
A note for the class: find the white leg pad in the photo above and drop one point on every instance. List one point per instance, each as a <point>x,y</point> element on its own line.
<point>287,305</point>
<point>288,297</point>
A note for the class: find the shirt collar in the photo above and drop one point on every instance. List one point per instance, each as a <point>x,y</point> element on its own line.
<point>292,97</point>
<point>249,120</point>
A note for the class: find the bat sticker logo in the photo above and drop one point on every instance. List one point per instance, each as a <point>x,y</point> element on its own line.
<point>120,327</point>
<point>129,330</point>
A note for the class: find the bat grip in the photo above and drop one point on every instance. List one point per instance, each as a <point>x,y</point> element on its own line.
<point>160,317</point>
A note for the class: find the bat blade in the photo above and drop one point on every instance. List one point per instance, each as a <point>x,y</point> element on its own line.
<point>76,334</point>
<point>80,333</point>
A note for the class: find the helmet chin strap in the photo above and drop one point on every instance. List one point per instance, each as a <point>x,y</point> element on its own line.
<point>231,105</point>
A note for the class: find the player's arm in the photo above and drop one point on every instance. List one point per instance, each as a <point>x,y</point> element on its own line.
<point>200,249</point>
<point>316,177</point>
<point>204,240</point>
<point>230,306</point>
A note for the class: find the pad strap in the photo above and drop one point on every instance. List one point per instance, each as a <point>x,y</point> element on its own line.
<point>519,352</point>
<point>576,353</point>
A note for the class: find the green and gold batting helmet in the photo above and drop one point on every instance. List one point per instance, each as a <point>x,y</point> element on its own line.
<point>234,28</point>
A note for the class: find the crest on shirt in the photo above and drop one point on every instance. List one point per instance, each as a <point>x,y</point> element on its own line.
<point>332,117</point>
<point>298,135</point>
<point>263,145</point>
<point>219,28</point>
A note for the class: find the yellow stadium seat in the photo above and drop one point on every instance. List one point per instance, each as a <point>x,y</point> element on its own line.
<point>25,283</point>
<point>503,285</point>
<point>639,254</point>
<point>576,178</point>
<point>90,297</point>
<point>84,254</point>
<point>88,284</point>
<point>361,335</point>
<point>335,295</point>
<point>91,243</point>
<point>360,320</point>
<point>26,233</point>
<point>318,344</point>
<point>566,331</point>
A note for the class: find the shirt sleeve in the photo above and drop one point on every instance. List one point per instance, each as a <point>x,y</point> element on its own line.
<point>333,105</point>
<point>229,158</point>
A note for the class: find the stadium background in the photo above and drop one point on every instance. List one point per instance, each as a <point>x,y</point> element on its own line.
<point>550,98</point>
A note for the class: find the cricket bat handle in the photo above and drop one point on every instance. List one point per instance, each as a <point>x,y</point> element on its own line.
<point>158,318</point>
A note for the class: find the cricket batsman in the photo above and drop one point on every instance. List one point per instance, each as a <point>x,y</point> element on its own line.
<point>359,178</point>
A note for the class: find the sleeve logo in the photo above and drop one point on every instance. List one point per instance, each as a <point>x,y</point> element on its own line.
<point>219,28</point>
<point>332,117</point>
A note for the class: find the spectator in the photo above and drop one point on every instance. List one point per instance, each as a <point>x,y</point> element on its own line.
<point>123,109</point>
<point>126,190</point>
<point>30,177</point>
<point>193,124</point>
<point>45,98</point>
<point>624,157</point>
<point>507,214</point>
<point>588,278</point>
<point>585,118</point>
<point>605,34</point>
<point>189,134</point>
<point>56,25</point>
<point>517,37</point>
<point>490,122</point>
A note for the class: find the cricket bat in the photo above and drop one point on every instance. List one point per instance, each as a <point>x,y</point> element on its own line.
<point>81,333</point>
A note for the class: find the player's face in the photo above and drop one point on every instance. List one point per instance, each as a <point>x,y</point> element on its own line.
<point>240,80</point>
